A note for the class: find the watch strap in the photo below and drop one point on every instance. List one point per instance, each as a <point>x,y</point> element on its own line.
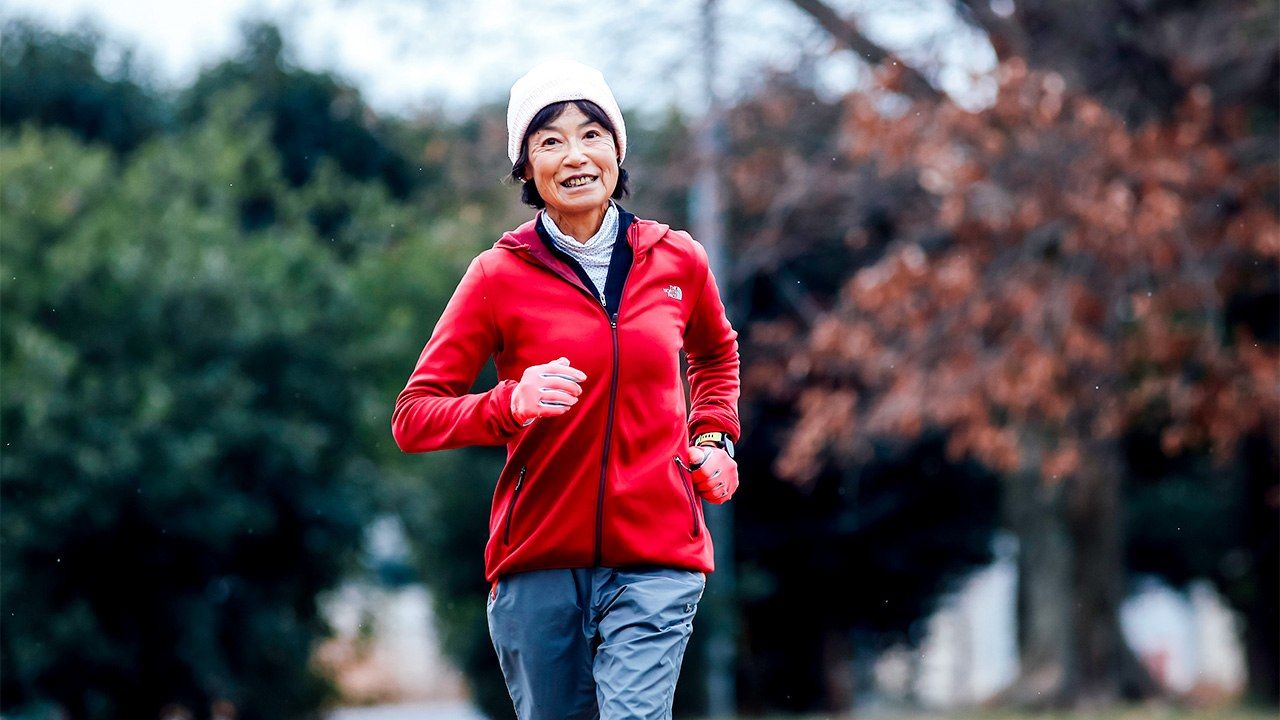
<point>711,438</point>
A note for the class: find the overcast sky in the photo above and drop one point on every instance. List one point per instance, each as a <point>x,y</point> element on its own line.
<point>452,54</point>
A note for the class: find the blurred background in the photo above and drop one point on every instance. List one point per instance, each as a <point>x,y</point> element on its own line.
<point>1006,277</point>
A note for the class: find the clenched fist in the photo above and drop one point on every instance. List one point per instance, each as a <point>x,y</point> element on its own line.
<point>715,474</point>
<point>546,390</point>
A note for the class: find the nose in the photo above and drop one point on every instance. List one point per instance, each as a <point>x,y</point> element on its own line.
<point>575,154</point>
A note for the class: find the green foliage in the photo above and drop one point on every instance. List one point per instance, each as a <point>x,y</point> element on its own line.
<point>662,168</point>
<point>442,499</point>
<point>203,340</point>
<point>312,116</point>
<point>183,418</point>
<point>52,78</point>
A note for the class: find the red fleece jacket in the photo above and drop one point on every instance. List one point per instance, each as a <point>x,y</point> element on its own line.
<point>599,485</point>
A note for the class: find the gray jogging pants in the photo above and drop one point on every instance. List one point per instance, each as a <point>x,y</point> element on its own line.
<point>587,643</point>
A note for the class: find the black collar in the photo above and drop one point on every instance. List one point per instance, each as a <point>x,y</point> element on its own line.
<point>619,261</point>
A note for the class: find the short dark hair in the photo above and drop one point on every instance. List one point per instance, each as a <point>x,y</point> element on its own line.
<point>529,189</point>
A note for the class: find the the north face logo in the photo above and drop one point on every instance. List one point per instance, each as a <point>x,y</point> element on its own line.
<point>673,292</point>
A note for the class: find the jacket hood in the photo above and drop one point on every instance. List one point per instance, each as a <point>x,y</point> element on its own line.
<point>643,235</point>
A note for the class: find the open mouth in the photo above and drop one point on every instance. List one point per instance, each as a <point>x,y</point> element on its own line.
<point>579,181</point>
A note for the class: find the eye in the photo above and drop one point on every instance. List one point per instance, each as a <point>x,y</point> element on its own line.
<point>549,140</point>
<point>593,133</point>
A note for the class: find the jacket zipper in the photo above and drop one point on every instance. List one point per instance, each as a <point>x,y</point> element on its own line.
<point>608,438</point>
<point>613,394</point>
<point>688,490</point>
<point>511,510</point>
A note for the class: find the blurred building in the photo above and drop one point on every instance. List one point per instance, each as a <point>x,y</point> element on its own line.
<point>386,647</point>
<point>1190,642</point>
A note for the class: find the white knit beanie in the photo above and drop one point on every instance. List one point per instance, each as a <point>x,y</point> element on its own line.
<point>553,82</point>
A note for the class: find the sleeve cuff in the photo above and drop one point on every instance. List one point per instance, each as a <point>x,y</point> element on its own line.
<point>706,427</point>
<point>507,424</point>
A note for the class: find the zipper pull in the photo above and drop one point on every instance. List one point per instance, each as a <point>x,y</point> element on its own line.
<point>613,321</point>
<point>602,301</point>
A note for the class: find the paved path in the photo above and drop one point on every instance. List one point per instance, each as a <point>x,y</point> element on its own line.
<point>409,711</point>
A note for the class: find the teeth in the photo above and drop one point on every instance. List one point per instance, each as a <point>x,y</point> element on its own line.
<point>577,181</point>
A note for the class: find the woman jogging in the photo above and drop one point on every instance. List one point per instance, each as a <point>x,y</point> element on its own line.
<point>598,552</point>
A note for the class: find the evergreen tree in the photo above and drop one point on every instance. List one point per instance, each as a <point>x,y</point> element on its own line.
<point>53,79</point>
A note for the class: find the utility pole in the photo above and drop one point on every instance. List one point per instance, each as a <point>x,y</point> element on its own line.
<point>706,212</point>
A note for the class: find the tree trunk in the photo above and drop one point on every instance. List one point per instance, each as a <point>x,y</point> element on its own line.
<point>1261,663</point>
<point>1107,667</point>
<point>1046,624</point>
<point>1071,585</point>
<point>1262,624</point>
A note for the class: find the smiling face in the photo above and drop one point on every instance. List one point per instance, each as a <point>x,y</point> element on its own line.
<point>573,162</point>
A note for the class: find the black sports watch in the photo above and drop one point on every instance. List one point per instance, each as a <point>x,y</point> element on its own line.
<point>715,439</point>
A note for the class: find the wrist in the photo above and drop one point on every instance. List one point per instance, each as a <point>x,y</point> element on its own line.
<point>516,415</point>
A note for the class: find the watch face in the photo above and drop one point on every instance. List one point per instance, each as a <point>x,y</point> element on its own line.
<point>728,445</point>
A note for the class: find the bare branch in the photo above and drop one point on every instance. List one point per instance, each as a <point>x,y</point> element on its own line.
<point>847,33</point>
<point>1006,36</point>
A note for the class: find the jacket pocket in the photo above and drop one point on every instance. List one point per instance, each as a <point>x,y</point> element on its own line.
<point>511,509</point>
<point>687,484</point>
